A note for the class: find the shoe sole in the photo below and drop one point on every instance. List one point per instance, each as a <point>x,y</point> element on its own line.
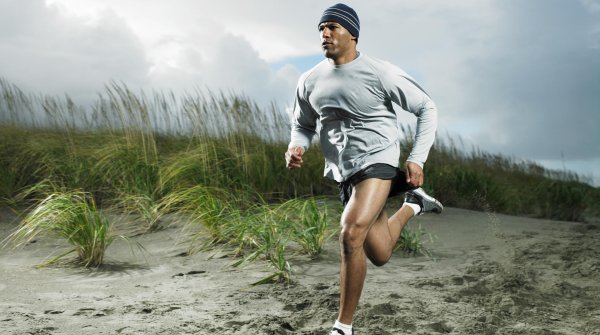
<point>437,206</point>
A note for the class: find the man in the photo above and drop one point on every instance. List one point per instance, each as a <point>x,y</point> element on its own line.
<point>351,95</point>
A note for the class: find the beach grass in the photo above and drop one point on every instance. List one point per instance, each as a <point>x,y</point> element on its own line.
<point>219,160</point>
<point>412,241</point>
<point>72,216</point>
<point>309,223</point>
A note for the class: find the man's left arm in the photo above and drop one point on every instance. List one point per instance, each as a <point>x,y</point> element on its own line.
<point>412,98</point>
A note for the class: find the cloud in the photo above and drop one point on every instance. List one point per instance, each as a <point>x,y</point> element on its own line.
<point>537,82</point>
<point>223,62</point>
<point>592,5</point>
<point>44,51</point>
<point>54,50</point>
<point>516,77</point>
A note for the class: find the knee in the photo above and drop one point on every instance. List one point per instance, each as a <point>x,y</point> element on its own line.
<point>377,256</point>
<point>378,261</point>
<point>352,237</point>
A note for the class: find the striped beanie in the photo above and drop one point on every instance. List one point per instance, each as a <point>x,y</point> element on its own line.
<point>343,15</point>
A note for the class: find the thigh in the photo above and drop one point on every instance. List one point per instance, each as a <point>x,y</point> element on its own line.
<point>366,203</point>
<point>377,171</point>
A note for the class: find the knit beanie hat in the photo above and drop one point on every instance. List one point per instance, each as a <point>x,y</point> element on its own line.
<point>343,15</point>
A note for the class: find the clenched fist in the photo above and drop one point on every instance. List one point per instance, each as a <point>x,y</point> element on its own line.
<point>293,158</point>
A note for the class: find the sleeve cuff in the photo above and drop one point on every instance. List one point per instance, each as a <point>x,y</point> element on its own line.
<point>416,162</point>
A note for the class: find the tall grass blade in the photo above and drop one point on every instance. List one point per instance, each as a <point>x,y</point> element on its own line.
<point>74,217</point>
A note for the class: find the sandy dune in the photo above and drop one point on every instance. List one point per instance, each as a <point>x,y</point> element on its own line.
<point>490,274</point>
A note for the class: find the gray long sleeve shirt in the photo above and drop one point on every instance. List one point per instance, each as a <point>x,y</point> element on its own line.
<point>359,126</point>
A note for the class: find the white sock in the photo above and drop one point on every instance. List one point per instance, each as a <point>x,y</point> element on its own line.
<point>416,208</point>
<point>347,329</point>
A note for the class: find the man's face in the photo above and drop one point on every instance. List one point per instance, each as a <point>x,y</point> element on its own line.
<point>336,40</point>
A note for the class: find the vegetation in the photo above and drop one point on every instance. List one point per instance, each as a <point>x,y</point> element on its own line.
<point>73,216</point>
<point>483,181</point>
<point>217,160</point>
<point>411,241</point>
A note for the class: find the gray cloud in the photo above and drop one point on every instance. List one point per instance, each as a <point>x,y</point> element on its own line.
<point>230,65</point>
<point>538,82</point>
<point>520,78</point>
<point>43,51</point>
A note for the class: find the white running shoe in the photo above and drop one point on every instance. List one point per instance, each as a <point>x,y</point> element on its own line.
<point>337,331</point>
<point>424,200</point>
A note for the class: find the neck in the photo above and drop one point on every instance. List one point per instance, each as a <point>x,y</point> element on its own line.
<point>344,59</point>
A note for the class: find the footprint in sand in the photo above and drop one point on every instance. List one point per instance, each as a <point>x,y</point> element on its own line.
<point>84,311</point>
<point>88,312</point>
<point>441,327</point>
<point>431,283</point>
<point>296,307</point>
<point>53,312</point>
<point>383,309</point>
<point>190,273</point>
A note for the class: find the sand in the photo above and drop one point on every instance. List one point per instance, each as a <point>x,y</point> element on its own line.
<point>489,274</point>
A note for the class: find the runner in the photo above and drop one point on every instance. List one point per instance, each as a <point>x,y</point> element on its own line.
<point>351,95</point>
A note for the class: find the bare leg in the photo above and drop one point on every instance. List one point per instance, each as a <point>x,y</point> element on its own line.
<point>383,235</point>
<point>365,206</point>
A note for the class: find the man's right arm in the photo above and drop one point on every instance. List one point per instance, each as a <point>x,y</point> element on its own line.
<point>304,123</point>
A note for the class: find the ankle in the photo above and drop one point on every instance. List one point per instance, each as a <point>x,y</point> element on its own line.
<point>415,208</point>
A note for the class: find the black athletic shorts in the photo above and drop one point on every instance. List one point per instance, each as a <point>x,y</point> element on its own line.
<point>377,170</point>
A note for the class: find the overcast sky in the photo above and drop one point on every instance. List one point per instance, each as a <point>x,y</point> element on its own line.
<point>515,77</point>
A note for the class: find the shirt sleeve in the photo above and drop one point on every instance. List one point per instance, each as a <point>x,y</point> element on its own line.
<point>404,91</point>
<point>304,120</point>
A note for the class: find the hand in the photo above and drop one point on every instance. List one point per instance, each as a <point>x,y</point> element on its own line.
<point>293,158</point>
<point>414,175</point>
